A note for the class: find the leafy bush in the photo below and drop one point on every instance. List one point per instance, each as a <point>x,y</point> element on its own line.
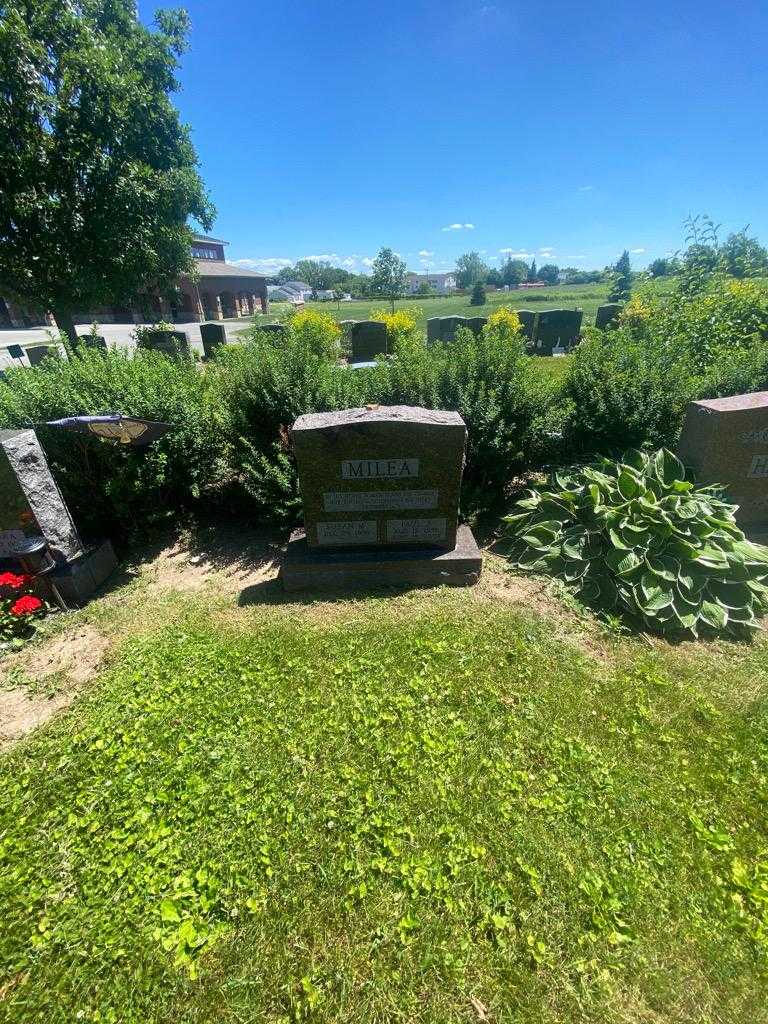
<point>260,389</point>
<point>625,390</point>
<point>402,332</point>
<point>478,297</point>
<point>114,486</point>
<point>316,332</point>
<point>635,538</point>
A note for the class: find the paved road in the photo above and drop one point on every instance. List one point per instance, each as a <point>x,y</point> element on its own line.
<point>118,335</point>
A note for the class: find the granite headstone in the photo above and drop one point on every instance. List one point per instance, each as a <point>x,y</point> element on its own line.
<point>380,488</point>
<point>725,441</point>
<point>212,336</point>
<point>368,339</point>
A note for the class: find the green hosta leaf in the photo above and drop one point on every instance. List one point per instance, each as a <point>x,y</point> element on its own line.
<point>661,599</point>
<point>622,562</point>
<point>629,485</point>
<point>618,541</point>
<point>731,595</point>
<point>574,571</point>
<point>530,502</point>
<point>713,614</point>
<point>637,460</point>
<point>667,467</point>
<point>516,517</point>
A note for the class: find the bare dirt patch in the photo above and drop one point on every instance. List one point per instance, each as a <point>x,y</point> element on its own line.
<point>65,661</point>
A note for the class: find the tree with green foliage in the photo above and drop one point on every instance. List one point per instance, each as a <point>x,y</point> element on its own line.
<point>660,268</point>
<point>478,294</point>
<point>742,255</point>
<point>470,269</point>
<point>388,276</point>
<point>514,272</point>
<point>621,279</point>
<point>425,288</point>
<point>549,273</point>
<point>98,177</point>
<point>533,274</point>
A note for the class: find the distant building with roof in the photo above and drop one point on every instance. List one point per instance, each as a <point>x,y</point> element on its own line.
<point>218,290</point>
<point>440,283</point>
<point>290,291</point>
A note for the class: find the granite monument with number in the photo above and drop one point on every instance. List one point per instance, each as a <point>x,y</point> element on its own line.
<point>380,488</point>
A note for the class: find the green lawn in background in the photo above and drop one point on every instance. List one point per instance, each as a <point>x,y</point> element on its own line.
<point>587,297</point>
<point>381,810</point>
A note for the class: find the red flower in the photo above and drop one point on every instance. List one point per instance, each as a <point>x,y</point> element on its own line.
<point>26,605</point>
<point>14,581</point>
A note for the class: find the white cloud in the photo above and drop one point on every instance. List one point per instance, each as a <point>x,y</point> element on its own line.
<point>425,252</point>
<point>637,251</point>
<point>264,264</point>
<point>350,261</point>
<point>367,261</point>
<point>326,257</point>
<point>517,254</point>
<point>427,263</point>
<point>547,250</point>
<point>458,227</point>
<point>586,188</point>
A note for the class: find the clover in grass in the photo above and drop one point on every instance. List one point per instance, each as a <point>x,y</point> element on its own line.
<point>637,539</point>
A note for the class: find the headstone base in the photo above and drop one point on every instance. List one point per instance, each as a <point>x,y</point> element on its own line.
<point>78,580</point>
<point>309,569</point>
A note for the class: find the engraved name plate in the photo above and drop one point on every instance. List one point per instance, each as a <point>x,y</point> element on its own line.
<point>379,469</point>
<point>427,530</point>
<point>359,531</point>
<point>378,501</point>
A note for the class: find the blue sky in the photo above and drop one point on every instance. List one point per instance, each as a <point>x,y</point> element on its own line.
<point>565,131</point>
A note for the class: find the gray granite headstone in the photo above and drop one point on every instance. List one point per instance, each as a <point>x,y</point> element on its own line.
<point>37,353</point>
<point>384,476</point>
<point>170,343</point>
<point>528,324</point>
<point>368,339</point>
<point>476,323</point>
<point>212,336</point>
<point>275,331</point>
<point>607,314</point>
<point>450,325</point>
<point>26,460</point>
<point>557,328</point>
<point>433,329</point>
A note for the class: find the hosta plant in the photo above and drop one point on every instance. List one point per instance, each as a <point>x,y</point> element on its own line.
<point>638,540</point>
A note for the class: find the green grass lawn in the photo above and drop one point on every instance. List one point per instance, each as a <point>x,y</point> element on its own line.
<point>587,297</point>
<point>381,810</point>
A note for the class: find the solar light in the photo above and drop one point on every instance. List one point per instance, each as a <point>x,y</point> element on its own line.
<point>128,430</point>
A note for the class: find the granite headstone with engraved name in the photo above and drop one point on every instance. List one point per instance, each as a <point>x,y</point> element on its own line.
<point>384,479</point>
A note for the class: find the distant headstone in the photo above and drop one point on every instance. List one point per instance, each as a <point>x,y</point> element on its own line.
<point>725,441</point>
<point>368,339</point>
<point>607,314</point>
<point>380,488</point>
<point>97,341</point>
<point>212,336</point>
<point>450,325</point>
<point>275,331</point>
<point>433,329</point>
<point>557,329</point>
<point>170,343</point>
<point>476,323</point>
<point>528,324</point>
<point>37,353</point>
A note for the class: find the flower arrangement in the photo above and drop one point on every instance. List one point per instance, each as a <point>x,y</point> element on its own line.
<point>19,607</point>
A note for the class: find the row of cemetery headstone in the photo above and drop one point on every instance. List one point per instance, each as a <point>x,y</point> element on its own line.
<point>444,328</point>
<point>364,340</point>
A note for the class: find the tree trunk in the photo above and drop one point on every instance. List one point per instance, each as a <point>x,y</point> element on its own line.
<point>65,323</point>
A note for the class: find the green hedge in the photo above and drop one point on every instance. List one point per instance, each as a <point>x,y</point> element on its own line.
<point>625,387</point>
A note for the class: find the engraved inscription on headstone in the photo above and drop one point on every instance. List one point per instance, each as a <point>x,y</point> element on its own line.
<point>429,531</point>
<point>381,501</point>
<point>361,469</point>
<point>361,531</point>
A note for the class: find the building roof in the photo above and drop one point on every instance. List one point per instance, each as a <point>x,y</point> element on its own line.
<point>217,268</point>
<point>207,238</point>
